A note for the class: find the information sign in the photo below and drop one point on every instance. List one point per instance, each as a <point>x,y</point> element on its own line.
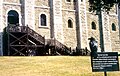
<point>105,61</point>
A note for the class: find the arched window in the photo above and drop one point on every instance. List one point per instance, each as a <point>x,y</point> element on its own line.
<point>43,20</point>
<point>70,24</point>
<point>113,27</point>
<point>68,0</point>
<point>74,1</point>
<point>93,25</point>
<point>13,17</point>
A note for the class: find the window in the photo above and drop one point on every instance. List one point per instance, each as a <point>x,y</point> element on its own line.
<point>43,20</point>
<point>68,0</point>
<point>119,5</point>
<point>113,27</point>
<point>74,0</point>
<point>93,25</point>
<point>13,17</point>
<point>116,9</point>
<point>70,25</point>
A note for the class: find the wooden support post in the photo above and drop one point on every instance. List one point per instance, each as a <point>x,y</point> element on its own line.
<point>8,46</point>
<point>27,40</point>
<point>8,33</point>
<point>105,73</point>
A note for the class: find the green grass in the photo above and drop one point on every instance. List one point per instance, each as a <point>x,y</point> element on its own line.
<point>49,66</point>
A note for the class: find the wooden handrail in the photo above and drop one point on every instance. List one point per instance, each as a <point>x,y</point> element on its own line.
<point>36,35</point>
<point>25,29</point>
<point>56,43</point>
<point>16,29</point>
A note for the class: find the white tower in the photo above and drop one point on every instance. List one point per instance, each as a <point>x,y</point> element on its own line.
<point>82,24</point>
<point>56,6</point>
<point>29,13</point>
<point>106,32</point>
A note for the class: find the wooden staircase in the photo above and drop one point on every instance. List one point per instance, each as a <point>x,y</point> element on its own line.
<point>24,41</point>
<point>57,48</point>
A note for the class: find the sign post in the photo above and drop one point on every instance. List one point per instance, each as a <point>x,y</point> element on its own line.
<point>105,61</point>
<point>105,73</point>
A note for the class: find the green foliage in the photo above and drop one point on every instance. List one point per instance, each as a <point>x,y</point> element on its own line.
<point>98,5</point>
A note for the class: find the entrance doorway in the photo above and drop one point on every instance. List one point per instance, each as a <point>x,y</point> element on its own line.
<point>13,17</point>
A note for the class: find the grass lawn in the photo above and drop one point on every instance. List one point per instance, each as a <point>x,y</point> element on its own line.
<point>49,66</point>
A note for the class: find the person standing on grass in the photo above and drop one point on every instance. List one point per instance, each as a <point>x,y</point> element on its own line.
<point>93,47</point>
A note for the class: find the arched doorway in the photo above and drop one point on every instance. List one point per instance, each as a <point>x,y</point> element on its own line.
<point>13,17</point>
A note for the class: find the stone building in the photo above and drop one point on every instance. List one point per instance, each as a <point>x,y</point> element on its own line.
<point>68,21</point>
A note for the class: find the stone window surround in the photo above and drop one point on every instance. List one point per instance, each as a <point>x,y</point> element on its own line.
<point>71,1</point>
<point>43,19</point>
<point>15,14</point>
<point>68,1</point>
<point>82,0</point>
<point>113,27</point>
<point>72,23</point>
<point>7,3</point>
<point>14,4</point>
<point>93,25</point>
<point>18,14</point>
<point>40,26</point>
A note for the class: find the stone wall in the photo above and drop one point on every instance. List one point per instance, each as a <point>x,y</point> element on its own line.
<point>83,23</point>
<point>70,38</point>
<point>68,5</point>
<point>91,17</point>
<point>42,7</point>
<point>29,13</point>
<point>106,32</point>
<point>114,35</point>
<point>92,32</point>
<point>6,8</point>
<point>43,30</point>
<point>42,2</point>
<point>69,10</point>
<point>8,5</point>
<point>12,1</point>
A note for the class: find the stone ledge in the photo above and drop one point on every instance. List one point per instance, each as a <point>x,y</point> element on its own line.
<point>7,3</point>
<point>43,7</point>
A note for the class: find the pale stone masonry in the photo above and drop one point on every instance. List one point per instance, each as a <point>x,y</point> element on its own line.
<point>59,15</point>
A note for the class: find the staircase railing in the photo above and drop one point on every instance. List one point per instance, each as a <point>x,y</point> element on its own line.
<point>59,46</point>
<point>26,29</point>
<point>36,35</point>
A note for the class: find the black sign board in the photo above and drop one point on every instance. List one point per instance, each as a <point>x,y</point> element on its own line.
<point>105,61</point>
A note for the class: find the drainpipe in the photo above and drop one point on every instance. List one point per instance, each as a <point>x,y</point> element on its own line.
<point>101,30</point>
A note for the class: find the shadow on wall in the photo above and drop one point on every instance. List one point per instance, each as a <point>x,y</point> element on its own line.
<point>5,42</point>
<point>1,48</point>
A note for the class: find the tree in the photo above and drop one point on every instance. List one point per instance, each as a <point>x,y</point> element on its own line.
<point>98,6</point>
